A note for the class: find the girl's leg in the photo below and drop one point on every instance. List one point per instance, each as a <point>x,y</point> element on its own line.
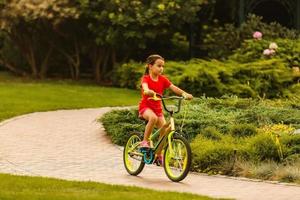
<point>151,117</point>
<point>165,127</point>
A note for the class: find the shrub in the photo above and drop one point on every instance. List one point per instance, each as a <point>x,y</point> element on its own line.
<point>119,124</point>
<point>211,133</point>
<point>214,128</point>
<point>220,41</point>
<point>128,75</point>
<point>292,142</point>
<point>266,78</point>
<point>262,147</point>
<point>252,50</point>
<point>243,130</point>
<point>209,155</point>
<point>263,113</point>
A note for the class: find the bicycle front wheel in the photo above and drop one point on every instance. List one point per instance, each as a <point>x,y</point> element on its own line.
<point>177,159</point>
<point>132,158</point>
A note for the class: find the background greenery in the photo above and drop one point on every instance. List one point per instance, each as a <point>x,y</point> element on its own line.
<point>85,39</point>
<point>226,133</point>
<point>265,78</point>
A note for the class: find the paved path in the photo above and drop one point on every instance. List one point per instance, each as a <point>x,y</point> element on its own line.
<point>69,144</point>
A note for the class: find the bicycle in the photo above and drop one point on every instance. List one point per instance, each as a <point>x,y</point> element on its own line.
<point>177,151</point>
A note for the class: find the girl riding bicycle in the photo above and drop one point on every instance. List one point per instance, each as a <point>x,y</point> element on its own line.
<point>153,82</point>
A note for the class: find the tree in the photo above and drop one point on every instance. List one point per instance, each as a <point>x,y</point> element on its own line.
<point>123,25</point>
<point>30,25</point>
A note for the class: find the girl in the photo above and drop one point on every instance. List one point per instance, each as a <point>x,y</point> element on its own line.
<point>154,82</point>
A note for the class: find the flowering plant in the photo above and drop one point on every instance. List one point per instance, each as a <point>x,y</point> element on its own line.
<point>257,35</point>
<point>273,46</point>
<point>271,50</point>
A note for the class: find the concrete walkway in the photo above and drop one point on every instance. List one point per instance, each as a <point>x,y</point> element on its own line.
<point>70,144</point>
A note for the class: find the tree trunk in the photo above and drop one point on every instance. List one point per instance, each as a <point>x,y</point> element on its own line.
<point>44,66</point>
<point>74,61</point>
<point>11,67</point>
<point>105,63</point>
<point>72,73</point>
<point>25,45</point>
<point>97,58</point>
<point>77,61</point>
<point>32,62</point>
<point>113,57</point>
<point>97,69</point>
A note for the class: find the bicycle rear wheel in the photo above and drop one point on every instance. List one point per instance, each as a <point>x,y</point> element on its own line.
<point>177,159</point>
<point>132,157</point>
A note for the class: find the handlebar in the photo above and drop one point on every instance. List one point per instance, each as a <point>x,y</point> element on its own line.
<point>170,97</point>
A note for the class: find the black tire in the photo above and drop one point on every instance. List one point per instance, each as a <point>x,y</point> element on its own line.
<point>176,162</point>
<point>132,145</point>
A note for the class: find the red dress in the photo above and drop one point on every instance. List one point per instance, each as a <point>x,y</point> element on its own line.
<point>157,86</point>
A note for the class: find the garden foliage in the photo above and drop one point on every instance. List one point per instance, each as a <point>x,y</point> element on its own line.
<point>265,78</point>
<point>223,131</point>
<point>220,40</point>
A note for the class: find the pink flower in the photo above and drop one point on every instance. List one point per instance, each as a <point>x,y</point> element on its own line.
<point>272,51</point>
<point>269,52</point>
<point>257,35</point>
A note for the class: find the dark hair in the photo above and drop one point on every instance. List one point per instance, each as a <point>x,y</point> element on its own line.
<point>151,60</point>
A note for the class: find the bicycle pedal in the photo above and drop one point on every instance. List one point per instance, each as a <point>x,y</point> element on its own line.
<point>145,149</point>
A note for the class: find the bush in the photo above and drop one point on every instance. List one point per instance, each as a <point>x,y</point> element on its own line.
<point>220,41</point>
<point>211,133</point>
<point>266,78</point>
<point>252,50</point>
<point>206,114</point>
<point>262,147</point>
<point>119,124</point>
<point>209,155</point>
<point>128,75</point>
<point>243,130</point>
<point>292,142</point>
<point>263,113</point>
<point>217,128</point>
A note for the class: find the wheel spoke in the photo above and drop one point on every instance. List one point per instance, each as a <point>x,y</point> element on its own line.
<point>176,162</point>
<point>132,157</point>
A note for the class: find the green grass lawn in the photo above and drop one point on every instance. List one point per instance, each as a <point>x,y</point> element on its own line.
<point>31,188</point>
<point>19,96</point>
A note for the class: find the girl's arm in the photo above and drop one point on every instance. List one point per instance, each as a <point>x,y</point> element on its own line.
<point>146,90</point>
<point>180,92</point>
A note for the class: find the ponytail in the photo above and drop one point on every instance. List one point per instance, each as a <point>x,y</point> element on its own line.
<point>146,70</point>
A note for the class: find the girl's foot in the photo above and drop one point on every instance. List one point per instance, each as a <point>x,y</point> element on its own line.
<point>145,144</point>
<point>159,160</point>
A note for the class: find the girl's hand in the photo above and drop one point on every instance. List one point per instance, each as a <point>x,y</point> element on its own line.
<point>187,96</point>
<point>149,93</point>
